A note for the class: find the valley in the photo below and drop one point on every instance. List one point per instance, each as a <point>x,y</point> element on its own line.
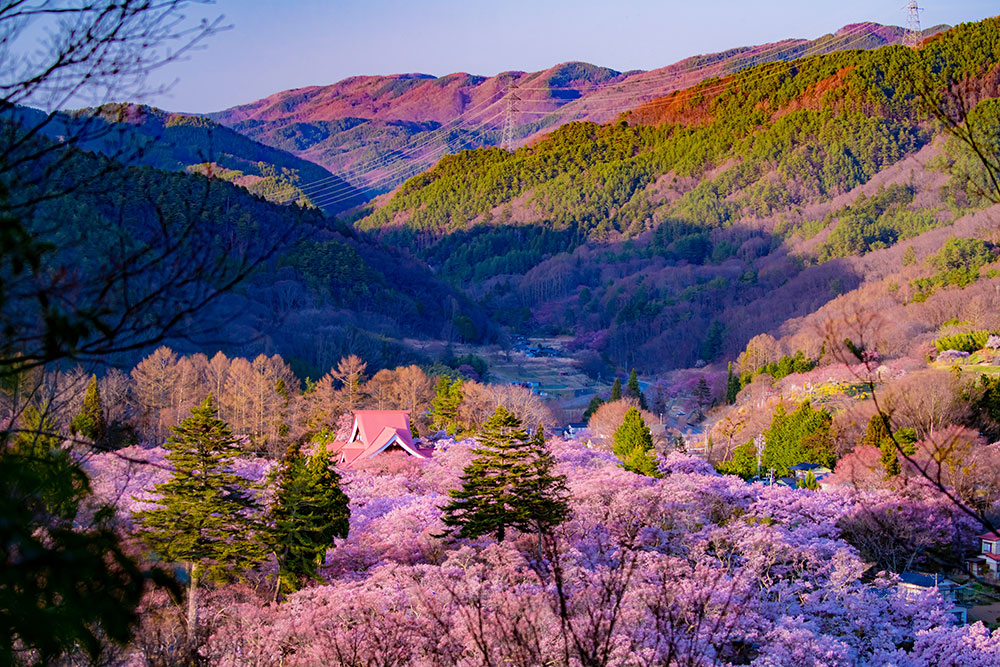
<point>693,365</point>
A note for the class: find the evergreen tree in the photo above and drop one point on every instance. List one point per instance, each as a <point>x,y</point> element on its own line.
<point>63,586</point>
<point>508,485</point>
<point>592,407</point>
<point>712,344</point>
<point>702,394</point>
<point>802,436</point>
<point>733,385</point>
<point>90,423</point>
<point>633,445</point>
<point>876,432</point>
<point>632,390</point>
<point>809,482</point>
<point>616,390</point>
<point>310,510</point>
<point>547,504</point>
<point>907,439</point>
<point>444,406</point>
<point>889,459</point>
<point>206,517</point>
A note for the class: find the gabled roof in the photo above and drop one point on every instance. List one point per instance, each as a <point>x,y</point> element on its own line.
<point>989,537</point>
<point>368,424</point>
<point>375,431</point>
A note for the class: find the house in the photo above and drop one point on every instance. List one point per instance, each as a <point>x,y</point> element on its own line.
<point>801,470</point>
<point>378,431</point>
<point>914,583</point>
<point>988,560</point>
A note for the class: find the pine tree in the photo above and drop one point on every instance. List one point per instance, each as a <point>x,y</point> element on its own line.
<point>809,482</point>
<point>616,390</point>
<point>310,510</point>
<point>907,439</point>
<point>632,390</point>
<point>702,394</point>
<point>90,423</point>
<point>592,407</point>
<point>508,485</point>
<point>889,459</point>
<point>633,445</point>
<point>206,516</point>
<point>547,504</point>
<point>876,432</point>
<point>444,406</point>
<point>63,586</point>
<point>732,385</point>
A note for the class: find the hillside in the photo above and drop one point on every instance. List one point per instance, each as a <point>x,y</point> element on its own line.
<point>717,211</point>
<point>292,280</point>
<point>387,128</point>
<point>139,135</point>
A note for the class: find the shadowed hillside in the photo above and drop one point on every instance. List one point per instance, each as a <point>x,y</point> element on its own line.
<point>713,213</point>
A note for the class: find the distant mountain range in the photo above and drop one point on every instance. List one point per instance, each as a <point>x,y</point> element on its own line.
<point>380,130</point>
<point>143,136</point>
<point>713,213</point>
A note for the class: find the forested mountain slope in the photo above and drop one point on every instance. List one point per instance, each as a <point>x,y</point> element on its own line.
<point>386,128</point>
<point>125,237</point>
<point>139,135</point>
<point>655,237</point>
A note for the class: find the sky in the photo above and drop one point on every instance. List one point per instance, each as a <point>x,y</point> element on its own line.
<point>273,46</point>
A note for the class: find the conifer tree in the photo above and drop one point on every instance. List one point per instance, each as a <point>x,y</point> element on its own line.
<point>809,482</point>
<point>732,385</point>
<point>592,407</point>
<point>90,423</point>
<point>444,406</point>
<point>632,390</point>
<point>876,431</point>
<point>616,390</point>
<point>63,586</point>
<point>702,393</point>
<point>888,459</point>
<point>508,485</point>
<point>633,445</point>
<point>907,439</point>
<point>206,515</point>
<point>548,505</point>
<point>309,512</point>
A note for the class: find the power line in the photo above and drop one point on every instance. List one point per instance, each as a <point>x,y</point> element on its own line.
<point>913,31</point>
<point>375,164</point>
<point>508,125</point>
<point>437,152</point>
<point>336,192</point>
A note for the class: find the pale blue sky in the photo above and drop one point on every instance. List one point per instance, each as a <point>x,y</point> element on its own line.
<point>275,45</point>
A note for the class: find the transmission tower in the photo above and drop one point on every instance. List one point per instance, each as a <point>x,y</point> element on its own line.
<point>912,23</point>
<point>508,122</point>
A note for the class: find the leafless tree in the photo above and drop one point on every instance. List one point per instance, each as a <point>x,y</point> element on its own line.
<point>162,266</point>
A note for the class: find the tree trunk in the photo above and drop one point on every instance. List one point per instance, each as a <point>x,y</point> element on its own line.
<point>192,606</point>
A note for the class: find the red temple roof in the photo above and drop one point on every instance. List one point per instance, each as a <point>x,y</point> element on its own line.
<point>374,431</point>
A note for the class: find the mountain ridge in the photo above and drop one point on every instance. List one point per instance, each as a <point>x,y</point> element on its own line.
<point>634,234</point>
<point>383,129</point>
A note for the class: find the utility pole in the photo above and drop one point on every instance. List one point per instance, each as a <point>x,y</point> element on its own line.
<point>759,442</point>
<point>912,24</point>
<point>507,140</point>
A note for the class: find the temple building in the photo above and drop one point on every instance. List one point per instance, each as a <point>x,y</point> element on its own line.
<point>378,431</point>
